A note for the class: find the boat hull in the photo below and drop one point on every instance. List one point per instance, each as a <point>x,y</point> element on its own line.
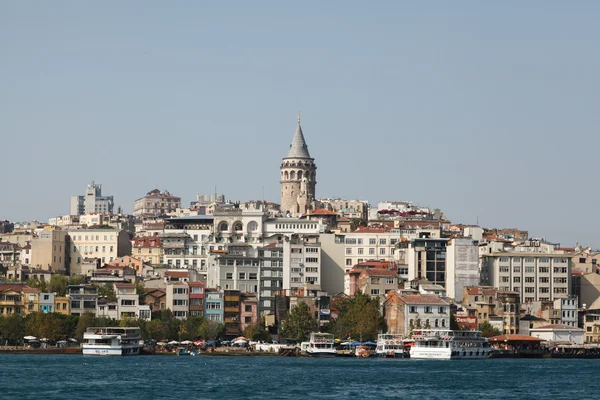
<point>111,351</point>
<point>433,353</point>
<point>321,353</point>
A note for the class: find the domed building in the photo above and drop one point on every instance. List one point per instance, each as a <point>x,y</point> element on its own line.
<point>298,177</point>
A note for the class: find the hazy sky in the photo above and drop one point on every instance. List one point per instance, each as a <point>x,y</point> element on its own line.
<point>482,109</point>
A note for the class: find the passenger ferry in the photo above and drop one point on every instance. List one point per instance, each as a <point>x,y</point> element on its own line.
<point>112,341</point>
<point>389,345</point>
<point>321,344</point>
<point>448,344</point>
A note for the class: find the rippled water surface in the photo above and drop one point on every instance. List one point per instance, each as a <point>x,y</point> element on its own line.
<point>207,377</point>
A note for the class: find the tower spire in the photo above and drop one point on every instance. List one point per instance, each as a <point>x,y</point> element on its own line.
<point>298,117</point>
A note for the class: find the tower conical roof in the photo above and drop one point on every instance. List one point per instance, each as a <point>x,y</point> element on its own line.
<point>298,148</point>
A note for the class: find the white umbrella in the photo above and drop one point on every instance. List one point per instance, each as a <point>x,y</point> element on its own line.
<point>186,342</point>
<point>240,341</point>
<point>173,342</point>
<point>29,337</point>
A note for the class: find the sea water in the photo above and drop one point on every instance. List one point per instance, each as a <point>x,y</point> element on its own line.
<point>64,377</point>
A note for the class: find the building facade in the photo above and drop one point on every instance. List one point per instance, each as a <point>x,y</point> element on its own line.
<point>103,244</point>
<point>92,201</point>
<point>156,203</point>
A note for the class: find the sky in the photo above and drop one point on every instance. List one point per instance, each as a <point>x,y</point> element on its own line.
<point>486,110</point>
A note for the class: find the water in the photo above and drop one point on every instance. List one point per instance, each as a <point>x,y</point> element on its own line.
<point>207,377</point>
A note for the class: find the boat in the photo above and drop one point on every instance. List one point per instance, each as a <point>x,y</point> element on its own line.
<point>321,345</point>
<point>109,341</point>
<point>448,344</point>
<point>182,351</point>
<point>390,345</point>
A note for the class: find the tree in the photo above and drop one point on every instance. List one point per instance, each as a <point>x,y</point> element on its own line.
<point>85,321</point>
<point>210,330</point>
<point>141,291</point>
<point>12,329</point>
<point>298,323</point>
<point>359,317</point>
<point>257,332</point>
<point>356,222</point>
<point>42,285</point>
<point>453,322</point>
<point>487,330</point>
<point>107,290</point>
<point>43,325</point>
<point>58,284</point>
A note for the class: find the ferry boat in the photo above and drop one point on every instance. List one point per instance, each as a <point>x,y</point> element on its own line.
<point>449,344</point>
<point>321,344</point>
<point>389,345</point>
<point>109,341</point>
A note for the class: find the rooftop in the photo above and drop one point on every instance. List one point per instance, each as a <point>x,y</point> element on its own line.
<point>298,148</point>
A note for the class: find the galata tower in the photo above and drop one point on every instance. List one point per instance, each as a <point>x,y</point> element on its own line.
<point>298,177</point>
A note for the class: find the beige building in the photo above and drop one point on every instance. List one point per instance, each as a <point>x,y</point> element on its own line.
<point>298,177</point>
<point>156,203</point>
<point>149,249</point>
<point>535,276</point>
<point>104,244</point>
<point>405,312</point>
<point>499,308</point>
<point>177,299</point>
<point>49,249</point>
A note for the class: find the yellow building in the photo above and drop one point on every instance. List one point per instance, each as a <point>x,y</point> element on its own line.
<point>148,249</point>
<point>18,299</point>
<point>62,305</point>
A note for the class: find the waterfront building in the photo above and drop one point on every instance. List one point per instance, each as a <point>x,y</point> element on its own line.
<point>186,242</point>
<point>127,300</point>
<point>557,334</point>
<point>177,299</point>
<point>196,299</point>
<point>231,312</point>
<point>46,302</point>
<point>374,278</point>
<point>18,299</point>
<point>92,201</point>
<point>500,308</point>
<point>104,244</point>
<point>248,310</point>
<point>424,258</point>
<point>156,203</point>
<point>536,276</point>
<point>236,268</point>
<point>83,299</point>
<point>62,305</point>
<point>298,177</point>
<point>213,300</point>
<point>405,312</point>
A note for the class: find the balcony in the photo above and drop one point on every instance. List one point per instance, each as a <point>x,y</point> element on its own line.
<point>232,298</point>
<point>232,310</point>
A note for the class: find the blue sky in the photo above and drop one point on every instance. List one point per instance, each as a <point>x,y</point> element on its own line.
<point>484,109</point>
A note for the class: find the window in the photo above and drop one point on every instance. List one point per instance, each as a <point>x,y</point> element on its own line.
<point>180,290</point>
<point>517,279</point>
<point>529,279</point>
<point>529,270</point>
<point>180,302</point>
<point>252,275</point>
<point>242,276</point>
<point>371,251</point>
<point>372,241</point>
<point>361,250</point>
<point>544,279</point>
<point>529,290</point>
<point>374,292</point>
<point>517,269</point>
<point>413,309</point>
<point>248,308</point>
<point>348,251</point>
<point>382,242</point>
<point>312,260</point>
<point>389,281</point>
<point>427,309</point>
<point>442,310</point>
<point>382,251</point>
<point>348,261</point>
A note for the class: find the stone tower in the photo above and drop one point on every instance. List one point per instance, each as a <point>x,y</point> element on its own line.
<point>298,177</point>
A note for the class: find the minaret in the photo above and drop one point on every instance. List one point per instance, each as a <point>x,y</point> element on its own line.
<point>298,176</point>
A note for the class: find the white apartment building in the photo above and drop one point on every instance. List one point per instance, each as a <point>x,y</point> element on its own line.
<point>236,268</point>
<point>104,244</point>
<point>462,266</point>
<point>156,203</point>
<point>302,262</point>
<point>92,201</point>
<point>535,276</point>
<point>127,299</point>
<point>177,299</point>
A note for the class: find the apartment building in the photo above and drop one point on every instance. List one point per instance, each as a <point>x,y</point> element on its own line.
<point>462,266</point>
<point>248,310</point>
<point>231,312</point>
<point>375,282</point>
<point>148,249</point>
<point>82,299</point>
<point>156,203</point>
<point>236,268</point>
<point>302,262</point>
<point>103,244</point>
<point>18,298</point>
<point>271,277</point>
<point>186,242</point>
<point>196,298</point>
<point>535,276</point>
<point>49,249</point>
<point>405,312</point>
<point>500,308</point>
<point>92,201</point>
<point>213,300</point>
<point>127,300</point>
<point>424,258</point>
<point>177,299</point>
